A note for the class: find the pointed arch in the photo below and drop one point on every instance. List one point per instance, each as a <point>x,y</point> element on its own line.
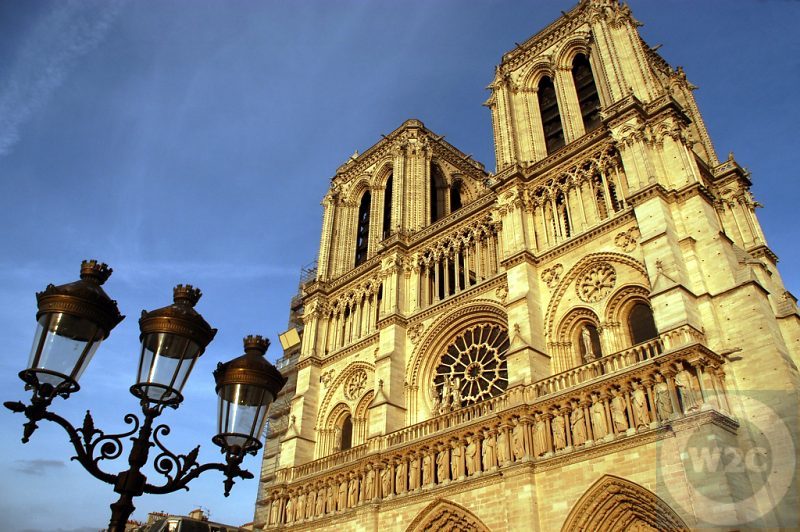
<point>616,504</point>
<point>446,515</point>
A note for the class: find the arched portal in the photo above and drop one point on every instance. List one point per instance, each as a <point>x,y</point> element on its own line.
<point>446,515</point>
<point>615,504</point>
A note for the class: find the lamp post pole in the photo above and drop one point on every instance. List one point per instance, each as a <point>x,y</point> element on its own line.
<point>73,319</point>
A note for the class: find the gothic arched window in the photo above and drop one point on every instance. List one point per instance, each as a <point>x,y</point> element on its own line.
<point>455,196</point>
<point>474,367</point>
<point>551,118</point>
<point>387,208</point>
<point>588,98</point>
<point>438,194</point>
<point>641,324</point>
<point>362,235</point>
<point>347,433</point>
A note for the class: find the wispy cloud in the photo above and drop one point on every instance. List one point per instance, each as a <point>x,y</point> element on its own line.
<point>46,55</point>
<point>37,467</point>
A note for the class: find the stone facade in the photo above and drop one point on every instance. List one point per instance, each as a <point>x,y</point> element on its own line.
<point>571,343</point>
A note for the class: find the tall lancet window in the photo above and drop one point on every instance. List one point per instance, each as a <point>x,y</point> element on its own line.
<point>455,196</point>
<point>438,194</point>
<point>551,118</point>
<point>362,235</point>
<point>587,92</point>
<point>387,208</point>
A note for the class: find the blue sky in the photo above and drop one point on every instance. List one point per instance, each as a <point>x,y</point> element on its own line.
<point>191,142</point>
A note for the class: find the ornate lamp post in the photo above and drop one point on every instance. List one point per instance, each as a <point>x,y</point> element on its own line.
<point>73,319</point>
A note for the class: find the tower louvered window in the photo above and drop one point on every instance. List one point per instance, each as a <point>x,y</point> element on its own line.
<point>387,208</point>
<point>362,235</point>
<point>551,118</point>
<point>587,92</point>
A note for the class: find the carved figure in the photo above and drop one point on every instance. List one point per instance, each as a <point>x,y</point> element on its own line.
<point>274,511</point>
<point>331,499</point>
<point>311,504</point>
<point>386,481</point>
<point>618,417</point>
<point>489,451</point>
<point>517,440</point>
<point>599,426</point>
<point>502,447</point>
<point>539,436</point>
<point>369,484</point>
<point>559,432</point>
<point>437,402</point>
<point>290,510</point>
<point>455,394</point>
<point>320,509</point>
<point>341,501</point>
<point>663,402</point>
<point>588,348</point>
<point>300,508</point>
<point>413,473</point>
<point>352,492</point>
<point>456,461</point>
<point>337,439</point>
<point>400,477</point>
<point>443,464</point>
<point>683,384</point>
<point>639,406</point>
<point>577,422</point>
<point>427,469</point>
<point>473,459</point>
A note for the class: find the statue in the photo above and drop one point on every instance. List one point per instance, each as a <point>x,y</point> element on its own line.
<point>274,511</point>
<point>473,459</point>
<point>352,492</point>
<point>400,476</point>
<point>427,469</point>
<point>559,432</point>
<point>456,461</point>
<point>443,464</point>
<point>683,384</point>
<point>413,473</point>
<point>502,447</point>
<point>588,348</point>
<point>386,481</point>
<point>300,508</point>
<point>320,509</point>
<point>290,510</point>
<point>337,439</point>
<point>311,504</point>
<point>663,402</point>
<point>331,499</point>
<point>437,402</point>
<point>489,451</point>
<point>639,406</point>
<point>539,436</point>
<point>517,440</point>
<point>369,484</point>
<point>341,501</point>
<point>599,426</point>
<point>577,422</point>
<point>618,417</point>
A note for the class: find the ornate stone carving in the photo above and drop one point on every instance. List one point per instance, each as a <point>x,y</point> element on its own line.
<point>502,293</point>
<point>415,332</point>
<point>627,240</point>
<point>327,377</point>
<point>552,275</point>
<point>355,384</point>
<point>596,283</point>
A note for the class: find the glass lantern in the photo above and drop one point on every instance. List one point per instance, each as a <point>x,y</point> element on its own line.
<point>246,386</point>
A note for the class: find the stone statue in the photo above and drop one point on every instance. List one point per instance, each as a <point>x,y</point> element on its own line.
<point>311,504</point>
<point>577,421</point>
<point>618,417</point>
<point>300,508</point>
<point>369,484</point>
<point>473,459</point>
<point>663,402</point>
<point>455,394</point>
<point>456,461</point>
<point>489,451</point>
<point>683,384</point>
<point>427,469</point>
<point>290,510</point>
<point>539,436</point>
<point>274,511</point>
<point>320,509</point>
<point>559,432</point>
<point>386,481</point>
<point>400,476</point>
<point>599,426</point>
<point>352,492</point>
<point>331,499</point>
<point>502,447</point>
<point>337,439</point>
<point>588,348</point>
<point>437,402</point>
<point>341,501</point>
<point>639,406</point>
<point>443,464</point>
<point>413,473</point>
<point>517,440</point>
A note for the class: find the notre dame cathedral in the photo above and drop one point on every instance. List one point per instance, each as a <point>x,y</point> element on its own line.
<point>594,337</point>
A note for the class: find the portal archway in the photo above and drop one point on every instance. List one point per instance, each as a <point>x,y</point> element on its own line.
<point>442,515</point>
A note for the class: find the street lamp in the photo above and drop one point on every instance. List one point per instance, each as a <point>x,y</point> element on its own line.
<point>73,319</point>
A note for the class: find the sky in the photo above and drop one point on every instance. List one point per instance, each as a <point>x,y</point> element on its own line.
<point>192,142</point>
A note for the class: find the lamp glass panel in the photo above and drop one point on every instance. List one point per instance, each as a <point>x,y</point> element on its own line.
<point>165,364</point>
<point>242,412</point>
<point>67,348</point>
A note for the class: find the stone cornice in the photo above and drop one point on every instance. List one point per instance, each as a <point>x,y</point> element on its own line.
<point>625,216</point>
<point>343,352</point>
<point>763,251</point>
<point>445,305</point>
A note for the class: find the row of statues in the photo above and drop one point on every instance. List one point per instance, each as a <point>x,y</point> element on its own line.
<point>576,423</point>
<point>450,397</point>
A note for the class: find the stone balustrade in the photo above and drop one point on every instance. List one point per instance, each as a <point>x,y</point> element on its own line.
<point>625,395</point>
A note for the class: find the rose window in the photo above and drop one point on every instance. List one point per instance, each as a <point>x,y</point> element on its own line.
<point>596,283</point>
<point>473,367</point>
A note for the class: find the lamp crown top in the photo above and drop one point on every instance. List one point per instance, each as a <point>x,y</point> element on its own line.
<point>256,343</point>
<point>98,272</point>
<point>186,294</point>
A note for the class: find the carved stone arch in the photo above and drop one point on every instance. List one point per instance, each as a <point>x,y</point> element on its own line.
<point>579,269</point>
<point>616,504</point>
<point>443,330</point>
<point>384,170</point>
<point>362,408</point>
<point>620,302</point>
<point>357,190</point>
<point>336,415</point>
<point>336,392</point>
<point>572,318</point>
<point>442,514</point>
<point>540,67</point>
<point>578,43</point>
<point>569,337</point>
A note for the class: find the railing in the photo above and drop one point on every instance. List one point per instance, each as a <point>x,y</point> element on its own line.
<point>640,390</point>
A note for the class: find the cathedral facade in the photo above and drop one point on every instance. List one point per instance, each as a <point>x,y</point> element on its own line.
<point>593,337</point>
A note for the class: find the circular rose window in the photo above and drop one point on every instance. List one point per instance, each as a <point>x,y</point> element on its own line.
<point>473,367</point>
